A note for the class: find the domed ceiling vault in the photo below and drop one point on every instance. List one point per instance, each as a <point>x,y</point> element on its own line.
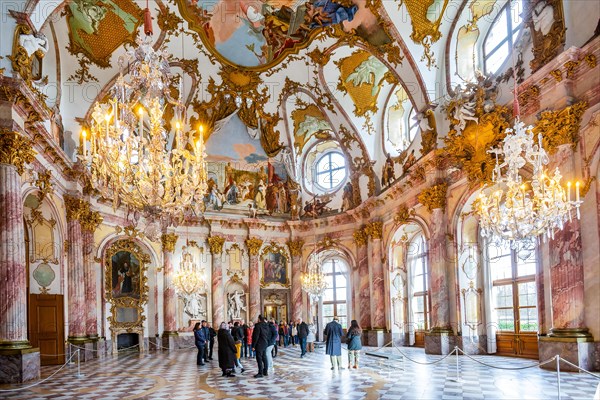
<point>347,56</point>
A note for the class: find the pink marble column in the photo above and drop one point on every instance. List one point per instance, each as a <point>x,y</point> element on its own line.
<point>438,287</point>
<point>378,290</point>
<point>91,315</point>
<point>297,287</point>
<point>218,305</point>
<point>364,297</point>
<point>75,267</point>
<point>255,288</point>
<point>169,296</point>
<point>13,294</point>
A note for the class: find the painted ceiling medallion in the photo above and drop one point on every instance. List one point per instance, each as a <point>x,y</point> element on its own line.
<point>257,35</point>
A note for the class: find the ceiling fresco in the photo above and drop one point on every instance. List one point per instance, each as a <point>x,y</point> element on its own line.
<point>259,35</point>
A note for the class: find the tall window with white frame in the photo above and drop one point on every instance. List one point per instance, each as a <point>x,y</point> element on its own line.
<point>420,302</point>
<point>514,296</point>
<point>335,296</point>
<point>502,36</point>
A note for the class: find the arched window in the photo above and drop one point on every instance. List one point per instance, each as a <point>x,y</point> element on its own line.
<point>514,298</point>
<point>417,264</point>
<point>335,296</point>
<point>502,36</point>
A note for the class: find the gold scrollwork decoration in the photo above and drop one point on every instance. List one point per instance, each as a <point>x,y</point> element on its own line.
<point>44,184</point>
<point>27,47</point>
<point>548,41</point>
<point>374,229</point>
<point>76,207</point>
<point>561,126</point>
<point>90,220</point>
<point>434,197</point>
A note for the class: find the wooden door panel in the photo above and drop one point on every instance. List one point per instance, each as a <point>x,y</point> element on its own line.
<point>517,345</point>
<point>420,339</point>
<point>529,346</point>
<point>46,327</point>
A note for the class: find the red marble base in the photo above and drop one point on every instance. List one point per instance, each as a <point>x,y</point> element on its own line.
<point>19,365</point>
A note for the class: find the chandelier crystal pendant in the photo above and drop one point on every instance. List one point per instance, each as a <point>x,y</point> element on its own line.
<point>313,280</point>
<point>189,278</point>
<point>133,159</point>
<point>516,209</point>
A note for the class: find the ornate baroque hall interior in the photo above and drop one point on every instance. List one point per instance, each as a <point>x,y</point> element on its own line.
<point>428,168</point>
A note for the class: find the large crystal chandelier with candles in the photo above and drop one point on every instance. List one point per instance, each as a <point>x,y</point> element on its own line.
<point>189,278</point>
<point>313,280</point>
<point>517,209</point>
<point>133,158</point>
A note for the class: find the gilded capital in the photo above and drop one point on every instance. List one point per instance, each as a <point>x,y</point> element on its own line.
<point>403,214</point>
<point>254,245</point>
<point>561,126</point>
<point>168,242</point>
<point>215,243</point>
<point>295,247</point>
<point>90,220</point>
<point>15,150</point>
<point>434,197</point>
<point>374,229</point>
<point>360,237</point>
<point>76,207</point>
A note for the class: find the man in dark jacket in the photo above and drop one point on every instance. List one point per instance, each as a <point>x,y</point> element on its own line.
<point>245,341</point>
<point>302,334</point>
<point>212,334</point>
<point>206,332</point>
<point>200,342</point>
<point>260,341</point>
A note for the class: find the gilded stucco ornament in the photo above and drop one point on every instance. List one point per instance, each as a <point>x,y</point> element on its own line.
<point>168,241</point>
<point>545,19</point>
<point>561,126</point>
<point>76,207</point>
<point>403,215</point>
<point>90,220</point>
<point>360,237</point>
<point>215,244</point>
<point>15,150</point>
<point>309,122</point>
<point>477,124</point>
<point>434,197</point>
<point>327,242</point>
<point>295,247</point>
<point>253,244</point>
<point>374,229</point>
<point>425,31</point>
<point>429,134</point>
<point>44,184</point>
<point>28,50</point>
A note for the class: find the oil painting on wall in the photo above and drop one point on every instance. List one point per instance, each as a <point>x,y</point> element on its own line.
<point>260,33</point>
<point>274,269</point>
<point>125,275</point>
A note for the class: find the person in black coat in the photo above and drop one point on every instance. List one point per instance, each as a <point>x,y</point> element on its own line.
<point>200,342</point>
<point>212,334</point>
<point>260,342</point>
<point>206,330</point>
<point>226,350</point>
<point>302,335</point>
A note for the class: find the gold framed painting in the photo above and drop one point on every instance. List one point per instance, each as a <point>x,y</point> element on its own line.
<point>125,273</point>
<point>274,266</point>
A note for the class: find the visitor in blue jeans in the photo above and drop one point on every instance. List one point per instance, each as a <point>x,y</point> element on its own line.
<point>302,334</point>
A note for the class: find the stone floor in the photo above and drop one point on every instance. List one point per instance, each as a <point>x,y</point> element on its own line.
<point>174,375</point>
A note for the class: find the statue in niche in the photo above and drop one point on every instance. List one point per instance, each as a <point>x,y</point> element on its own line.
<point>388,175</point>
<point>348,197</point>
<point>542,17</point>
<point>193,306</point>
<point>236,305</point>
<point>34,43</point>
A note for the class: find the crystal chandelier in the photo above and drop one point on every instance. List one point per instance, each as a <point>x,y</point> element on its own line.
<point>520,209</point>
<point>313,280</point>
<point>133,159</point>
<point>189,278</point>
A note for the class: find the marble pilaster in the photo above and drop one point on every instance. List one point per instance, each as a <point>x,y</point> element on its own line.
<point>75,266</point>
<point>217,290</point>
<point>440,309</point>
<point>377,289</point>
<point>296,252</point>
<point>364,296</point>
<point>91,317</point>
<point>254,245</point>
<point>169,297</point>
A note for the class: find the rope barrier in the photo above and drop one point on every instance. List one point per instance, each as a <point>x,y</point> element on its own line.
<point>41,381</point>
<point>424,363</point>
<point>539,364</point>
<point>579,368</point>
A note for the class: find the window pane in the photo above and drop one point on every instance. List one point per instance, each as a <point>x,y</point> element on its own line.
<point>329,280</point>
<point>528,319</point>
<point>324,180</point>
<point>340,281</point>
<point>327,267</point>
<point>337,160</point>
<point>501,267</point>
<point>503,296</point>
<point>337,176</point>
<point>340,294</point>
<point>498,32</point>
<point>506,320</point>
<point>328,295</point>
<point>418,284</point>
<point>344,321</point>
<point>495,60</point>
<point>527,294</point>
<point>516,13</point>
<point>327,310</point>
<point>341,309</point>
<point>418,304</point>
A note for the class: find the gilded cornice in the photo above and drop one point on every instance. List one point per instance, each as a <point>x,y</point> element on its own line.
<point>253,244</point>
<point>434,197</point>
<point>295,247</point>
<point>215,244</point>
<point>76,207</point>
<point>561,126</point>
<point>15,150</point>
<point>168,242</point>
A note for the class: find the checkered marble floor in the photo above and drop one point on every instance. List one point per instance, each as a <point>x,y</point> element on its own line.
<point>174,375</point>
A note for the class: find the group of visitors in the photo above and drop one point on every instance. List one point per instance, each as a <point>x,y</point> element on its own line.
<point>260,340</point>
